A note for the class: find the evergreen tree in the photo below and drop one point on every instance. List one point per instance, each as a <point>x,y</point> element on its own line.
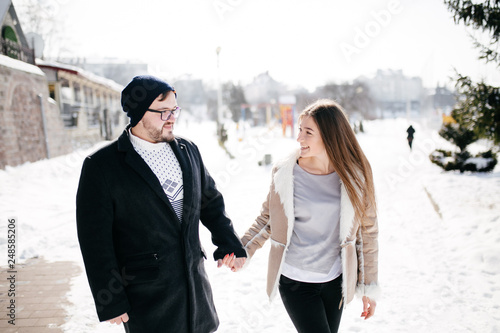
<point>458,135</point>
<point>463,160</point>
<point>480,15</point>
<point>478,108</point>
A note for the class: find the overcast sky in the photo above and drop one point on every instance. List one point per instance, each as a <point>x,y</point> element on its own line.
<point>304,43</point>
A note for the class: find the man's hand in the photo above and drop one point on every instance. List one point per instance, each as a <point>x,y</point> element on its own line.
<point>232,262</point>
<point>118,320</point>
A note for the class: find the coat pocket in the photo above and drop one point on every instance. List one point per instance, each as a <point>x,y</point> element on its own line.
<point>141,268</point>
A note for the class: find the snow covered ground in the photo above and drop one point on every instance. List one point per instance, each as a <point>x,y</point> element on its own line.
<point>439,263</point>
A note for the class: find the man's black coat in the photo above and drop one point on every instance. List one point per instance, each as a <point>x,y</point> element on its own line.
<point>139,258</point>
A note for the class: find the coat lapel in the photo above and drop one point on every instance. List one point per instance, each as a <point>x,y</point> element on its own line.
<point>283,184</point>
<point>346,214</point>
<point>136,162</point>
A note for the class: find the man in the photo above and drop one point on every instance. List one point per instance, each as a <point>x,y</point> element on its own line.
<point>139,203</point>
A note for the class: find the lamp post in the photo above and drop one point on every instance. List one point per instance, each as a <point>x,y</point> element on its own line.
<point>219,96</point>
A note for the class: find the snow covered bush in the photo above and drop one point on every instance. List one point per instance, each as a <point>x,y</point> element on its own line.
<point>463,161</point>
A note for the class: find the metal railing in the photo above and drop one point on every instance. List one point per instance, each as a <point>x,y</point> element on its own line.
<point>16,51</point>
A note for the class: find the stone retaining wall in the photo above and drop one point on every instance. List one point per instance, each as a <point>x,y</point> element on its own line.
<point>23,96</point>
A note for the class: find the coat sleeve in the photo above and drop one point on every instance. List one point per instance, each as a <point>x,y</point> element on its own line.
<point>367,248</point>
<point>260,231</point>
<point>94,218</point>
<point>213,216</point>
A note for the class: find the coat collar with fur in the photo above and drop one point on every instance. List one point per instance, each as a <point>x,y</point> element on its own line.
<point>283,181</point>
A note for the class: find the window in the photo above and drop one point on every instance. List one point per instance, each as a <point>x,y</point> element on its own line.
<point>10,46</point>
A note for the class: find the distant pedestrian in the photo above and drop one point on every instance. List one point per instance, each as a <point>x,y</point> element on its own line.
<point>410,132</point>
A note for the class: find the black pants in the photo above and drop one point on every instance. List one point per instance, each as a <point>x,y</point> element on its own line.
<point>313,307</point>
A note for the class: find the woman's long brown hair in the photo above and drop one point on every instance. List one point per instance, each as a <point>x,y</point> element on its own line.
<point>344,153</point>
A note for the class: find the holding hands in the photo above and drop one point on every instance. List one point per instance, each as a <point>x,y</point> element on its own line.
<point>232,262</point>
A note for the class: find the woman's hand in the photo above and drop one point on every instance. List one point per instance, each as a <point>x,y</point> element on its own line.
<point>369,306</point>
<point>232,262</point>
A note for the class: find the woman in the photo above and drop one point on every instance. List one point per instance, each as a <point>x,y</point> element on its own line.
<point>320,216</point>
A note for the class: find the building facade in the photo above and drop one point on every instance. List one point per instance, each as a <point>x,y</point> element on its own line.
<point>394,93</point>
<point>12,40</point>
<point>30,124</point>
<point>90,104</point>
<point>50,109</point>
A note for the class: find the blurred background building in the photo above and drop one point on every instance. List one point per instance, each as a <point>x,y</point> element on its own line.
<point>48,108</point>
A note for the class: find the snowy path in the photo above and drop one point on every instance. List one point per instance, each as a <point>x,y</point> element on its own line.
<point>439,270</point>
<point>428,286</point>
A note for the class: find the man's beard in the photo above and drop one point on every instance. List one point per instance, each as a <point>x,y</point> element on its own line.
<point>159,135</point>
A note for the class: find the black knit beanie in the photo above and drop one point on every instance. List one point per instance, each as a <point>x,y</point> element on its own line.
<point>140,93</point>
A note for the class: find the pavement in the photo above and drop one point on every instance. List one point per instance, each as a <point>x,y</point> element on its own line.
<point>40,289</point>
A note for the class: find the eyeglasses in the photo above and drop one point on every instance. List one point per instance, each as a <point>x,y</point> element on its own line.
<point>165,115</point>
